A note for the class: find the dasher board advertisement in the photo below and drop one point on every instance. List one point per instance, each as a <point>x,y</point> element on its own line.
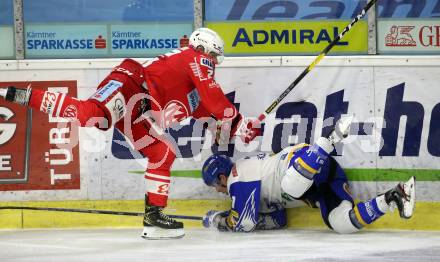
<point>409,36</point>
<point>38,152</point>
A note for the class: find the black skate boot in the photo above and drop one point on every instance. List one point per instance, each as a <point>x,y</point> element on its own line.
<point>403,196</point>
<point>17,95</point>
<point>158,225</point>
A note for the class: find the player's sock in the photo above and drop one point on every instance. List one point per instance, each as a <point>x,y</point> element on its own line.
<point>383,206</point>
<point>369,211</point>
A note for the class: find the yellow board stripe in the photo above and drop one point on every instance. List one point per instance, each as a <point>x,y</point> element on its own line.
<point>50,219</point>
<point>423,219</point>
<point>302,217</point>
<point>306,166</point>
<point>358,216</point>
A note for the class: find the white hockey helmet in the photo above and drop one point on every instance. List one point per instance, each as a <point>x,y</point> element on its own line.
<point>210,41</point>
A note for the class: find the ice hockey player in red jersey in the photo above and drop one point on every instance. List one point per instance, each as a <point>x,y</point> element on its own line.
<point>143,100</point>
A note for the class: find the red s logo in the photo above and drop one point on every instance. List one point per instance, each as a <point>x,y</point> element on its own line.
<point>163,189</point>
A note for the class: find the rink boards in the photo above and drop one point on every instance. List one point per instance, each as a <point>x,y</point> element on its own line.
<point>426,215</point>
<point>395,100</point>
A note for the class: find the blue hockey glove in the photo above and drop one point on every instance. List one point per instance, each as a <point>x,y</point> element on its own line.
<point>213,218</point>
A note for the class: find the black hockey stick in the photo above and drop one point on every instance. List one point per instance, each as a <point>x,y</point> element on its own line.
<point>91,211</point>
<point>315,62</point>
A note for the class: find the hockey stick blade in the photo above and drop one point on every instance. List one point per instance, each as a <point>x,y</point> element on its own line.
<point>92,211</point>
<point>315,62</point>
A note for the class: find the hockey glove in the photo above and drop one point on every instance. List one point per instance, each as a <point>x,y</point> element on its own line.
<point>247,130</point>
<point>215,219</point>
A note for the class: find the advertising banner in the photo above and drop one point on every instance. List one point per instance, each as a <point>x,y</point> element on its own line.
<point>38,152</point>
<point>218,10</point>
<point>104,40</point>
<point>305,37</point>
<point>245,10</point>
<point>65,41</point>
<point>409,36</point>
<point>140,40</point>
<point>46,11</point>
<point>7,49</point>
<point>407,9</point>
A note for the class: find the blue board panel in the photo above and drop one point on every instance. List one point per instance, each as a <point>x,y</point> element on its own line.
<point>221,10</point>
<point>45,11</point>
<point>6,12</point>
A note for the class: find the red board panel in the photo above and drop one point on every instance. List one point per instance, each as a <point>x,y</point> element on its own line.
<point>38,152</point>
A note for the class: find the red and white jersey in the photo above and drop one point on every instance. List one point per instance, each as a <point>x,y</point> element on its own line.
<point>182,84</point>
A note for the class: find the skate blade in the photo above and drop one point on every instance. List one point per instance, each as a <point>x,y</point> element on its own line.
<point>344,124</point>
<point>410,190</point>
<point>342,129</point>
<point>156,233</point>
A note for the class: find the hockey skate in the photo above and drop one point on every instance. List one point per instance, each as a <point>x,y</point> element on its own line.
<point>158,225</point>
<point>341,131</point>
<point>403,196</point>
<point>17,95</point>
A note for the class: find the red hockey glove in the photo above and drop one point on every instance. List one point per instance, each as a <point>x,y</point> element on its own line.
<point>247,130</point>
<point>242,127</point>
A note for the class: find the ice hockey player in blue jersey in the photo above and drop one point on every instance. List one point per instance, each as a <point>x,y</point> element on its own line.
<point>262,186</point>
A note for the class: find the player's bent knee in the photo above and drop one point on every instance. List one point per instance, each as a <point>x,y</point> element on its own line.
<point>295,184</point>
<point>340,219</point>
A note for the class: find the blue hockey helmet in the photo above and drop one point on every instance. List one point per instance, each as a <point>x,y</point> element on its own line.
<point>214,166</point>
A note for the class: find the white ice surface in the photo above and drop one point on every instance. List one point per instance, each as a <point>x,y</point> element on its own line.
<point>205,245</point>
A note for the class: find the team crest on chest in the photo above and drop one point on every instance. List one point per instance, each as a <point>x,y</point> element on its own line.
<point>174,112</point>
